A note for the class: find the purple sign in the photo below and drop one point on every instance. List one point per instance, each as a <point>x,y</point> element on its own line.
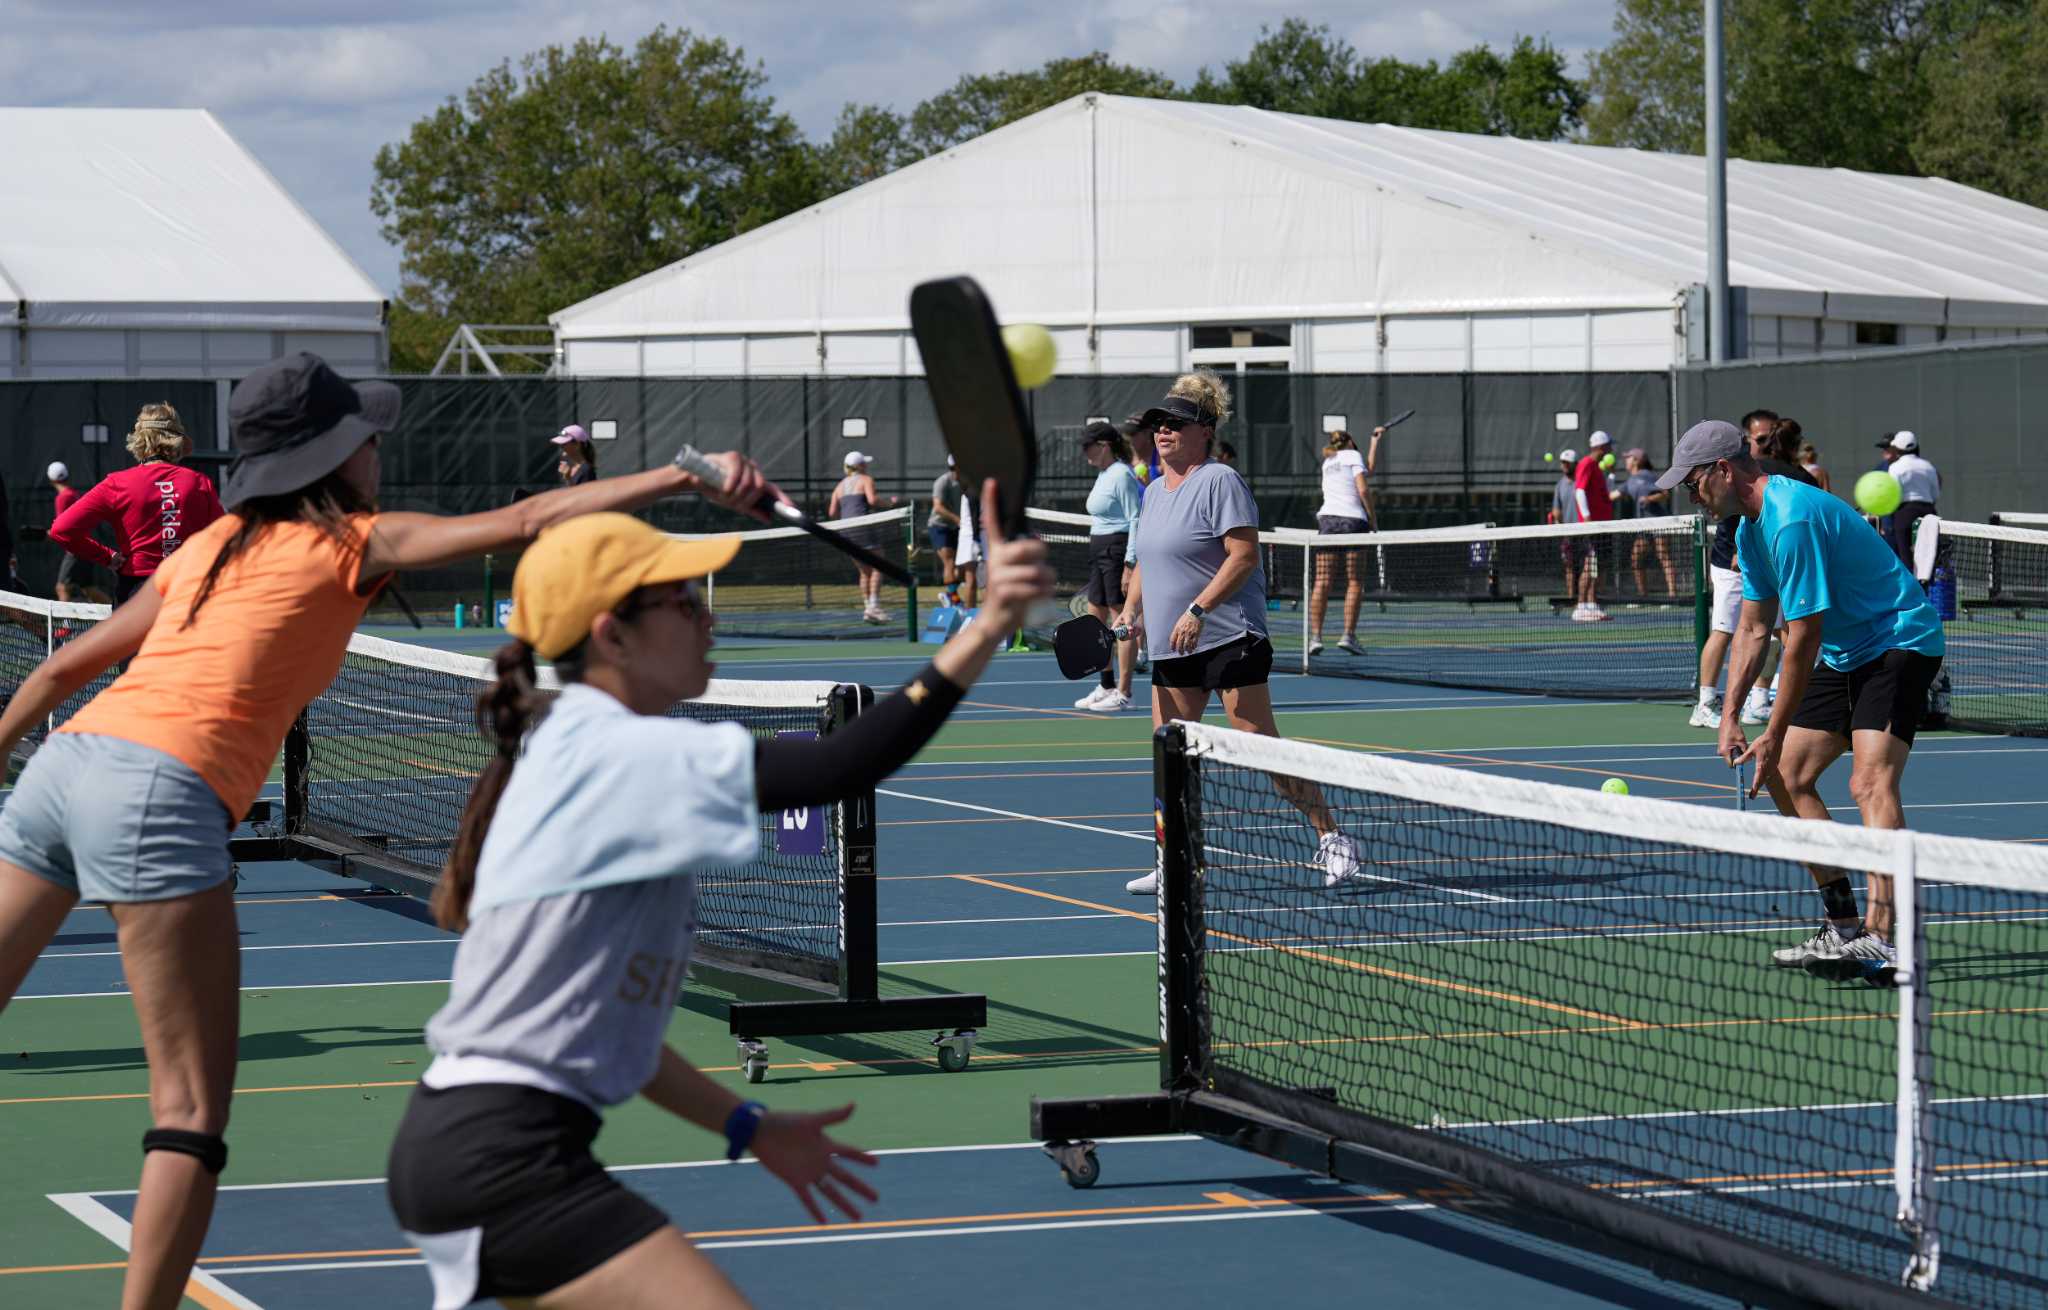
<point>801,832</point>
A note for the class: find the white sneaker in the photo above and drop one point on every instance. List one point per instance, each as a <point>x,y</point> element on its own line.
<point>1114,702</point>
<point>1315,648</point>
<point>1597,615</point>
<point>1705,715</point>
<point>1753,713</point>
<point>1862,956</point>
<point>1825,943</point>
<point>1147,884</point>
<point>1338,855</point>
<point>1094,696</point>
<point>1350,646</point>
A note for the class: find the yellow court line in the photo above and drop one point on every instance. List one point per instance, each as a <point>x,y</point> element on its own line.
<point>1053,896</point>
<point>206,1296</point>
<point>1033,710</point>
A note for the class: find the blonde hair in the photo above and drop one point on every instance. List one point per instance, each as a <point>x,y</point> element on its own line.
<point>158,435</point>
<point>1207,391</point>
<point>1339,440</point>
<point>1809,454</point>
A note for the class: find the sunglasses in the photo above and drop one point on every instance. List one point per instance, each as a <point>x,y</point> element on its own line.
<point>1171,425</point>
<point>1697,476</point>
<point>682,596</point>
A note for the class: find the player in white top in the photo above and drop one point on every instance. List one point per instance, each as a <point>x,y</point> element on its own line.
<point>573,880</point>
<point>1919,489</point>
<point>853,498</point>
<point>1346,509</point>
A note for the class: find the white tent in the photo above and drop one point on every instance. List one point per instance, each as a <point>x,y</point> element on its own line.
<point>1153,234</point>
<point>148,242</point>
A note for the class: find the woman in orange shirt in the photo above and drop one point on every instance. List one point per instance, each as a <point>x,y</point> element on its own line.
<point>132,800</point>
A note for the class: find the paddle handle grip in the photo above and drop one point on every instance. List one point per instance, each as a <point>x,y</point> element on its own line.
<point>694,462</point>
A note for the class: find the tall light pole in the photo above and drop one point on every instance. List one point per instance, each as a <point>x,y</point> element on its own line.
<point>1717,191</point>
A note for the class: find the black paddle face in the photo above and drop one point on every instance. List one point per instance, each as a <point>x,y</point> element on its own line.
<point>981,411</point>
<point>1083,646</point>
<point>1397,420</point>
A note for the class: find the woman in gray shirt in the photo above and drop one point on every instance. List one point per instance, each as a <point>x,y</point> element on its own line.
<point>1198,575</point>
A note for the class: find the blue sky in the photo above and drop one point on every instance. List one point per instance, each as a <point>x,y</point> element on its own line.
<point>314,87</point>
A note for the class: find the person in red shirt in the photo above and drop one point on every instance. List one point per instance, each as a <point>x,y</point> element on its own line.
<point>76,580</point>
<point>155,507</point>
<point>1595,505</point>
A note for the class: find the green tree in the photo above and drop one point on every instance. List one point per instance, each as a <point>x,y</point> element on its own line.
<point>982,102</point>
<point>1987,119</point>
<point>588,166</point>
<point>1300,68</point>
<point>867,142</point>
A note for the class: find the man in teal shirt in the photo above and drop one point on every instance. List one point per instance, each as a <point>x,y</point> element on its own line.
<point>1862,646</point>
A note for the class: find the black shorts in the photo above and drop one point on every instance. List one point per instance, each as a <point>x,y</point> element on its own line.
<point>126,586</point>
<point>1888,694</point>
<point>1106,568</point>
<point>511,1165</point>
<point>1246,662</point>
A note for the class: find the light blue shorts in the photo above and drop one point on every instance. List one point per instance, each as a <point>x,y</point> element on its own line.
<point>115,821</point>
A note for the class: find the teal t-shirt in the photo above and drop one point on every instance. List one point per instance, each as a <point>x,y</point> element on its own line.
<point>1814,555</point>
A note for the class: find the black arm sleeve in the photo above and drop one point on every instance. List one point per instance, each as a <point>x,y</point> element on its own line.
<point>791,774</point>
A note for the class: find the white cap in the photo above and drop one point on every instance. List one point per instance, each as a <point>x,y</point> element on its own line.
<point>854,457</point>
<point>949,461</point>
<point>1599,439</point>
<point>1567,456</point>
<point>57,472</point>
<point>1905,441</point>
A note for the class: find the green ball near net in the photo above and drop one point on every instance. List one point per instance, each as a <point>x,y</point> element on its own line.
<point>1877,492</point>
<point>1614,787</point>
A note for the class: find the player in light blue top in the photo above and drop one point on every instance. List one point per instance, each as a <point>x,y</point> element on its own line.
<point>573,878</point>
<point>1113,520</point>
<point>1862,646</point>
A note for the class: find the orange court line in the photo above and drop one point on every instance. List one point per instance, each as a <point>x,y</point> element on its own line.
<point>1020,818</point>
<point>1034,710</point>
<point>1052,896</point>
<point>206,1296</point>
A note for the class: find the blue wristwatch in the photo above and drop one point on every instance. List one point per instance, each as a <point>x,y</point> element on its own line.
<point>740,1127</point>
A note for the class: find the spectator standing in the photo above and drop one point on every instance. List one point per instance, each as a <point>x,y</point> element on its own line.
<point>154,507</point>
<point>1564,509</point>
<point>576,460</point>
<point>1919,489</point>
<point>76,580</point>
<point>942,528</point>
<point>1809,459</point>
<point>1595,505</point>
<point>1648,502</point>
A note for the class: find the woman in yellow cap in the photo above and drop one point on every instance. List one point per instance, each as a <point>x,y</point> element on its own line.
<point>131,801</point>
<point>573,881</point>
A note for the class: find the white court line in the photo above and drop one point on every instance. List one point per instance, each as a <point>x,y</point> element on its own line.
<point>86,1208</point>
<point>1012,814</point>
<point>300,946</point>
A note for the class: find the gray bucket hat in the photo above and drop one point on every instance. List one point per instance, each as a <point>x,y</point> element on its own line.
<point>294,421</point>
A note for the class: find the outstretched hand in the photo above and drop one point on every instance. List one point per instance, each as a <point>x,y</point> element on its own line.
<point>745,485</point>
<point>1017,574</point>
<point>796,1149</point>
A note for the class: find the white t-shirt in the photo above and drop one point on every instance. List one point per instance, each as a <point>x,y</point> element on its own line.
<point>1917,479</point>
<point>1340,486</point>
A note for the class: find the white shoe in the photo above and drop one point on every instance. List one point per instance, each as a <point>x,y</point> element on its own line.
<point>1597,614</point>
<point>1350,646</point>
<point>1114,703</point>
<point>1825,943</point>
<point>1753,713</point>
<point>1094,697</point>
<point>1145,884</point>
<point>1315,648</point>
<point>1586,614</point>
<point>1705,715</point>
<point>1338,855</point>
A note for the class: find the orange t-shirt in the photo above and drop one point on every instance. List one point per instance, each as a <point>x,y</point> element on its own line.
<point>221,694</point>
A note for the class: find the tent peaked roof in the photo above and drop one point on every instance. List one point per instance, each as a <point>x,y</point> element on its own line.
<point>158,217</point>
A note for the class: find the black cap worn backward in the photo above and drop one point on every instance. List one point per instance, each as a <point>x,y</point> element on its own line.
<point>1099,430</point>
<point>1703,443</point>
<point>1178,409</point>
<point>294,421</point>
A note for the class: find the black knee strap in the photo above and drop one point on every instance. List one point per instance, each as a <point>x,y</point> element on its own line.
<point>209,1150</point>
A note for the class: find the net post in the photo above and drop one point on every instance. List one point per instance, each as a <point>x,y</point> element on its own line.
<point>1308,582</point>
<point>910,592</point>
<point>859,942</point>
<point>298,761</point>
<point>1702,608</point>
<point>1179,919</point>
<point>1911,1167</point>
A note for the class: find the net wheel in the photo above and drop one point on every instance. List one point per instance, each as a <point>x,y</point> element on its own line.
<point>953,1055</point>
<point>1080,1168</point>
<point>756,1067</point>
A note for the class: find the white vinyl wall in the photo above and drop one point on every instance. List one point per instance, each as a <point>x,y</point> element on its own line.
<point>163,353</point>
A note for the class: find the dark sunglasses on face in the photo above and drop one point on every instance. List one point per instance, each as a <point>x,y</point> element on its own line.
<point>1698,475</point>
<point>1170,425</point>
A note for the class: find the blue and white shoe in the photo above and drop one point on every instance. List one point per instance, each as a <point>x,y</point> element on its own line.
<point>1863,956</point>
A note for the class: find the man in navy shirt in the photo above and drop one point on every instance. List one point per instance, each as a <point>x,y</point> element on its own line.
<point>1847,602</point>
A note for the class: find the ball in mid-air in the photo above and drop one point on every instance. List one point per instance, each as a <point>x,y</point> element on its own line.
<point>1614,787</point>
<point>1549,458</point>
<point>1032,355</point>
<point>1607,460</point>
<point>1877,492</point>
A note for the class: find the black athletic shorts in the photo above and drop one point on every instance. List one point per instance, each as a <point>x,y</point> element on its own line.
<point>126,586</point>
<point>1888,694</point>
<point>1106,568</point>
<point>500,1183</point>
<point>1246,662</point>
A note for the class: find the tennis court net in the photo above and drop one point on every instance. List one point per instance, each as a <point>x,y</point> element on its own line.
<point>31,629</point>
<point>1568,1001</point>
<point>1990,584</point>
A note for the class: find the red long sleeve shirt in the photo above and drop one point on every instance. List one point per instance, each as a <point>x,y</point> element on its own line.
<point>155,508</point>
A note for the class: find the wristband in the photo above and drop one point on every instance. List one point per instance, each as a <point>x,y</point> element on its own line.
<point>740,1127</point>
<point>1197,612</point>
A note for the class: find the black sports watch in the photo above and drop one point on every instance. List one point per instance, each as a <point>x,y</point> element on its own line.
<point>1198,611</point>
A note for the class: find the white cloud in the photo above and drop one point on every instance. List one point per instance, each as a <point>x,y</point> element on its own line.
<point>314,87</point>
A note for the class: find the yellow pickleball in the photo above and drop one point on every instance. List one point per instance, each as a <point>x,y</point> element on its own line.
<point>1877,492</point>
<point>1614,787</point>
<point>1032,354</point>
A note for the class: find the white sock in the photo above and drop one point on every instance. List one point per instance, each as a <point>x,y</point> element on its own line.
<point>1708,695</point>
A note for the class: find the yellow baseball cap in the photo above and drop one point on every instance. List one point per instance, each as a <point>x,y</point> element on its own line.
<point>577,570</point>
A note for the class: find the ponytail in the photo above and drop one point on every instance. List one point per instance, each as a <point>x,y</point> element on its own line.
<point>505,712</point>
<point>1339,440</point>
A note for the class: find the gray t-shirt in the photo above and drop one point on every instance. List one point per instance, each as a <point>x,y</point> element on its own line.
<point>1179,548</point>
<point>945,490</point>
<point>1565,500</point>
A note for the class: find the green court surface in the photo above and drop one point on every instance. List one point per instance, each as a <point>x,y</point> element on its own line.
<point>1003,853</point>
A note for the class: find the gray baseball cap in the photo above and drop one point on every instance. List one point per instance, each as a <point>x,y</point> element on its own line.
<point>1703,443</point>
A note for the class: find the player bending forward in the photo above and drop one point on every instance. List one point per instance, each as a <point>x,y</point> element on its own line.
<point>1845,598</point>
<point>573,880</point>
